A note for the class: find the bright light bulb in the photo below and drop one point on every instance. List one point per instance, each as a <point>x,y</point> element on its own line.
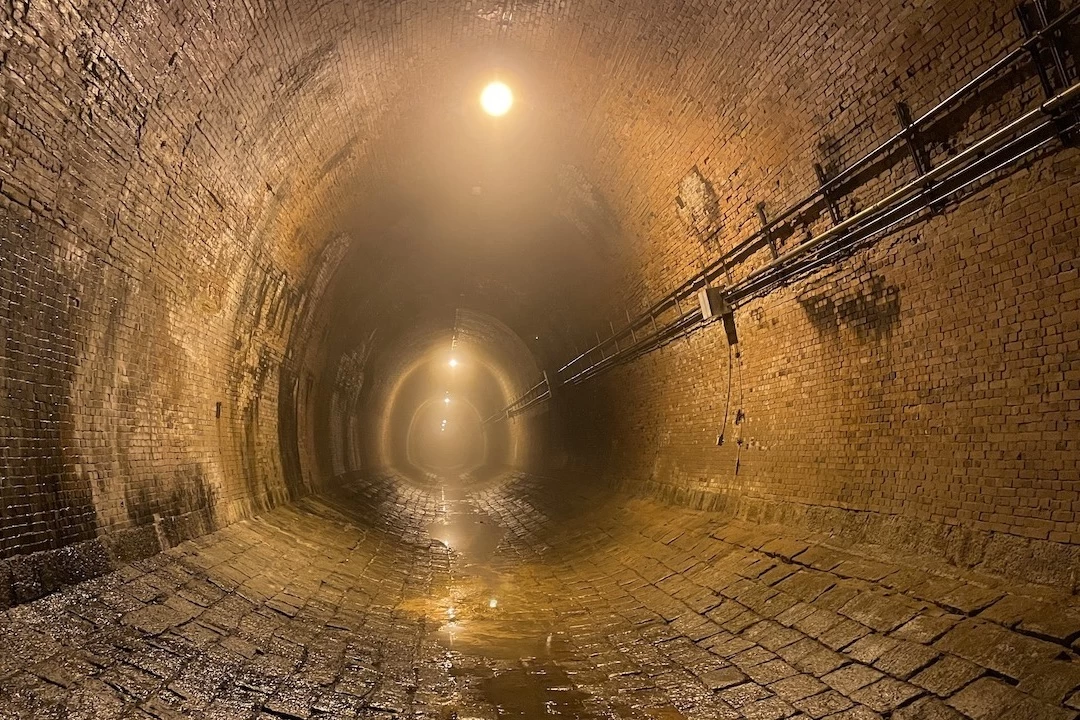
<point>497,99</point>
<point>453,362</point>
<point>446,400</point>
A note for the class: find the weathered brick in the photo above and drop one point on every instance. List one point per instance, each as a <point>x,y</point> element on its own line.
<point>879,611</point>
<point>236,238</point>
<point>947,675</point>
<point>996,648</point>
<point>927,709</point>
<point>985,698</point>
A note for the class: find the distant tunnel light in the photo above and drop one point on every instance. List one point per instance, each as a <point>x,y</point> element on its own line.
<point>497,99</point>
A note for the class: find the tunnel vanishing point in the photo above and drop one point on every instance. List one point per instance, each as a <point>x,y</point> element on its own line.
<point>477,359</point>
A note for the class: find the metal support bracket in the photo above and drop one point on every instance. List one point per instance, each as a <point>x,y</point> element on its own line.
<point>1027,24</point>
<point>549,384</point>
<point>830,201</point>
<point>911,136</point>
<point>767,230</point>
<point>918,152</point>
<point>1057,54</point>
<point>1034,18</point>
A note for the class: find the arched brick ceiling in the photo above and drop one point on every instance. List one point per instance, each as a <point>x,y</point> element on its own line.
<point>290,117</point>
<point>216,203</point>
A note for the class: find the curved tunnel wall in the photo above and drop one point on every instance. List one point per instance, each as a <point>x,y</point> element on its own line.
<point>447,439</point>
<point>479,366</point>
<point>181,349</point>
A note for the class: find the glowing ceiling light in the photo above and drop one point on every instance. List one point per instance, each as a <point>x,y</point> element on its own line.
<point>453,362</point>
<point>446,400</point>
<point>496,99</point>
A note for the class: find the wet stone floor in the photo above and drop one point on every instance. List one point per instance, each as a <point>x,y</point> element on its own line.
<point>512,599</point>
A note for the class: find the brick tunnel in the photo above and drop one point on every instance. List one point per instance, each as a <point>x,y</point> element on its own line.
<point>636,359</point>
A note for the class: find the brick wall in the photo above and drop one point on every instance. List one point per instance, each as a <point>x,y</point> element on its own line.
<point>923,393</point>
<point>204,208</point>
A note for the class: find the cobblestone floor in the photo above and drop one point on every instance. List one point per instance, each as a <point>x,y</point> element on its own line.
<point>508,599</point>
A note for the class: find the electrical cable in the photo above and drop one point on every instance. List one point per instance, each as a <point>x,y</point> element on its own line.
<point>740,416</point>
<point>727,402</point>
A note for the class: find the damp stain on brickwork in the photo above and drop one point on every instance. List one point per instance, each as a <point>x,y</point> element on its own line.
<point>240,242</point>
<point>45,502</point>
<point>698,206</point>
<point>870,312</point>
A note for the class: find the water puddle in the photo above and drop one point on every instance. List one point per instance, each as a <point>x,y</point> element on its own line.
<point>474,536</point>
<point>507,656</point>
<point>501,640</point>
<point>535,691</point>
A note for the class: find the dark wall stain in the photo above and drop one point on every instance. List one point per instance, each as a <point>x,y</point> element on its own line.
<point>266,315</point>
<point>160,497</point>
<point>44,503</point>
<point>288,431</point>
<point>872,311</point>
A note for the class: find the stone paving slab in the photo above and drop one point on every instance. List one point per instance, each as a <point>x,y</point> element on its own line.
<point>344,606</point>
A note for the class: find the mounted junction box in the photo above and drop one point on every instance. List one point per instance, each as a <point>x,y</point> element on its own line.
<point>713,306</point>
<point>712,302</point>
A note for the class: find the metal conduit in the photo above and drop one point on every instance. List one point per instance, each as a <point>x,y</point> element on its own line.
<point>990,154</point>
<point>903,212</point>
<point>758,239</point>
<point>950,165</point>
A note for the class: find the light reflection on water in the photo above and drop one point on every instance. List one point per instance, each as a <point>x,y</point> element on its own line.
<point>473,536</point>
<point>505,651</point>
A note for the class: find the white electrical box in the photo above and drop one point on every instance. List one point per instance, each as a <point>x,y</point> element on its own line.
<point>712,303</point>
<point>713,306</point>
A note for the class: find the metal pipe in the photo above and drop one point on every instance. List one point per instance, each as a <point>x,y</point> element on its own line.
<point>839,250</point>
<point>1004,61</point>
<point>920,201</point>
<point>1046,108</point>
<point>1001,63</point>
<point>958,164</point>
<point>861,225</point>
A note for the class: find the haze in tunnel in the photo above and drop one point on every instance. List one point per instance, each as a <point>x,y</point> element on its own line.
<point>634,359</point>
<point>446,439</point>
